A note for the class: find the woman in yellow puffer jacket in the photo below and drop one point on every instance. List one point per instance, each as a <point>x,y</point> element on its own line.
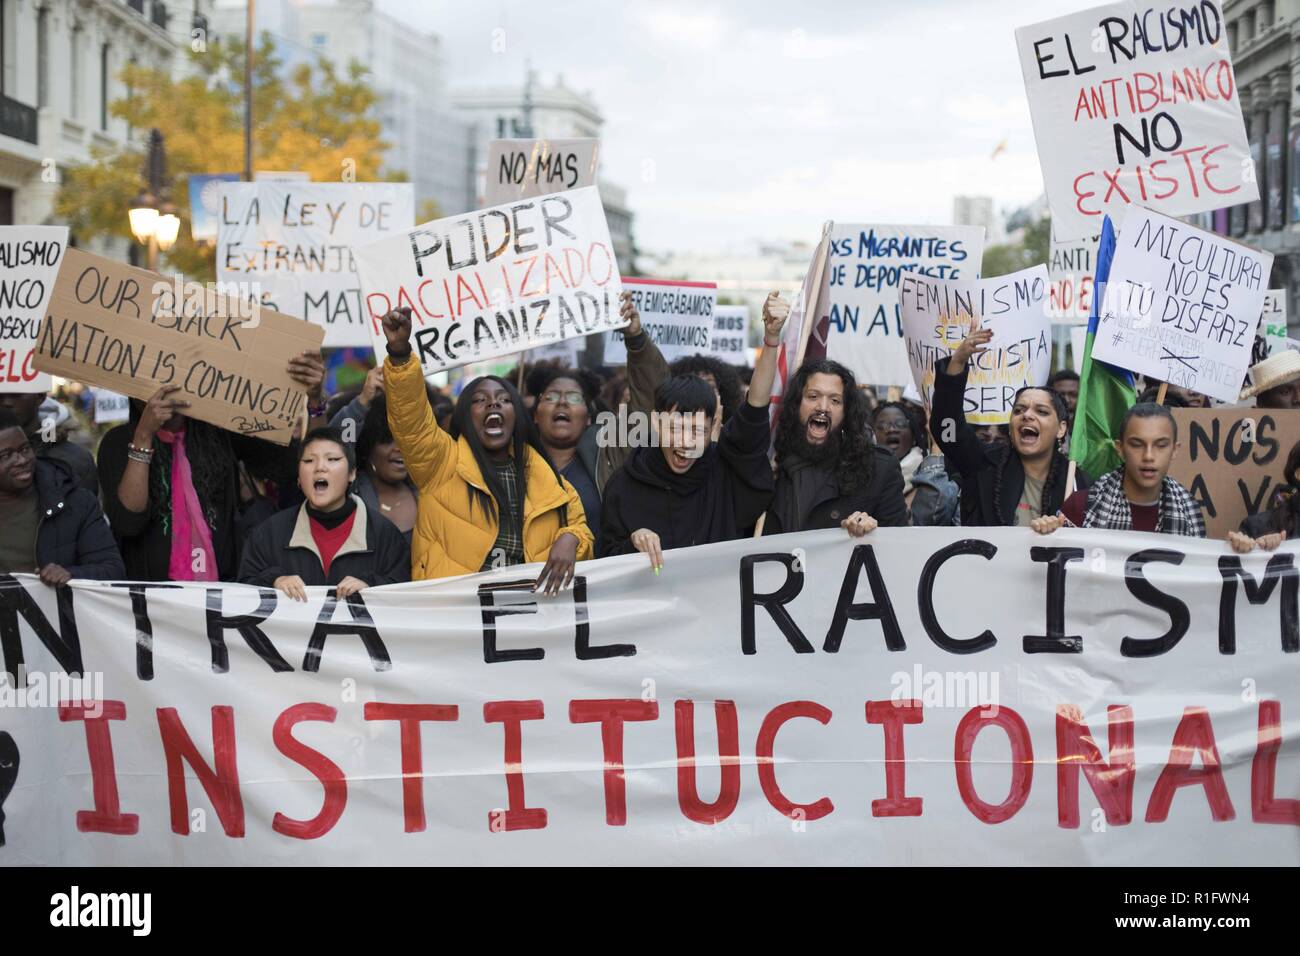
<point>488,469</point>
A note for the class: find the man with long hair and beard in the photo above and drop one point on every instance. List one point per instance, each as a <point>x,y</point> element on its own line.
<point>830,473</point>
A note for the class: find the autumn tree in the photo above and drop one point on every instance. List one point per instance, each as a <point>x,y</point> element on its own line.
<point>315,119</point>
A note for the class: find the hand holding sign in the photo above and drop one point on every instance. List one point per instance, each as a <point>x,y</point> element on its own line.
<point>308,370</point>
<point>973,344</point>
<point>627,311</point>
<point>162,406</point>
<point>775,311</point>
<point>397,330</point>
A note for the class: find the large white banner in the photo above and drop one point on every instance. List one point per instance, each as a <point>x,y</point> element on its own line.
<point>938,314</point>
<point>925,696</point>
<point>867,266</point>
<point>29,264</point>
<point>496,281</point>
<point>295,241</point>
<point>1182,305</point>
<point>1135,102</point>
<point>677,317</point>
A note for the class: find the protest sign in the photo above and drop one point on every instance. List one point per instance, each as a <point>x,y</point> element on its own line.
<point>1272,323</point>
<point>565,352</point>
<point>111,406</point>
<point>291,245</point>
<point>866,267</point>
<point>939,313</point>
<point>496,281</point>
<point>677,316</point>
<point>29,263</point>
<point>729,340</point>
<point>1072,266</point>
<point>1135,102</point>
<point>1182,305</point>
<point>1231,460</point>
<point>523,168</point>
<point>926,696</point>
<point>133,331</point>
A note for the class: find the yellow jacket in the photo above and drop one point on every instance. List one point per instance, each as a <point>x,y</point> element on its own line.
<point>448,539</point>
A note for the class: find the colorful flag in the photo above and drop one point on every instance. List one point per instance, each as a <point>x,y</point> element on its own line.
<point>1105,392</point>
<point>805,333</point>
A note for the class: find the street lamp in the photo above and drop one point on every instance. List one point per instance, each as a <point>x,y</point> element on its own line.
<point>154,222</point>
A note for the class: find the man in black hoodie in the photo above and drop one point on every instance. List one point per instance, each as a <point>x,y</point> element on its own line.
<point>685,490</point>
<point>52,527</point>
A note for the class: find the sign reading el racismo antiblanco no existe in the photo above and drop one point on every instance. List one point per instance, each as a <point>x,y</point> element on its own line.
<point>868,263</point>
<point>956,696</point>
<point>1182,305</point>
<point>1135,102</point>
<point>496,281</point>
<point>294,242</point>
<point>29,264</point>
<point>938,314</point>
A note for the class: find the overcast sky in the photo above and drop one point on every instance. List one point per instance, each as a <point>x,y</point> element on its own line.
<point>759,120</point>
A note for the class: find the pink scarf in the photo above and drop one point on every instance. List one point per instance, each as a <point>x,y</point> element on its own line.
<point>190,533</point>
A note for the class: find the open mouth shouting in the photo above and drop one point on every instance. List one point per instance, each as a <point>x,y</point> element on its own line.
<point>818,428</point>
<point>1028,435</point>
<point>494,425</point>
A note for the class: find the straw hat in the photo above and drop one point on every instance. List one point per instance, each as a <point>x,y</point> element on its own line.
<point>1277,369</point>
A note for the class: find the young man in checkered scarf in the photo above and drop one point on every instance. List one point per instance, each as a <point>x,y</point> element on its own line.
<point>1139,495</point>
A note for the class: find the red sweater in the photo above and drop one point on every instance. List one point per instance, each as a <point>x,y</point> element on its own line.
<point>329,540</point>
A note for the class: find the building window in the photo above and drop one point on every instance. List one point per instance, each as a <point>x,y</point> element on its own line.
<point>1265,15</point>
<point>1232,37</point>
<point>105,76</point>
<point>1248,27</point>
<point>43,57</point>
<point>74,47</point>
<point>320,41</point>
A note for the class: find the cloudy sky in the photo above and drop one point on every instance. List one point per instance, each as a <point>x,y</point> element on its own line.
<point>759,120</point>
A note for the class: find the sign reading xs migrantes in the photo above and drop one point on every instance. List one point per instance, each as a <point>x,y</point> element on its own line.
<point>867,265</point>
<point>920,696</point>
<point>938,314</point>
<point>520,168</point>
<point>29,263</point>
<point>295,241</point>
<point>1182,305</point>
<point>677,316</point>
<point>496,281</point>
<point>1135,102</point>
<point>133,331</point>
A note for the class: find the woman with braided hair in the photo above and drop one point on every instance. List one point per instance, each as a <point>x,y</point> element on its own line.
<point>1002,485</point>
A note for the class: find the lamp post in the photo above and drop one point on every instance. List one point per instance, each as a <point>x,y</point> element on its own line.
<point>154,222</point>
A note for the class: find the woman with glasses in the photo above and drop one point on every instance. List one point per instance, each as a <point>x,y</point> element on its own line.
<point>932,497</point>
<point>563,412</point>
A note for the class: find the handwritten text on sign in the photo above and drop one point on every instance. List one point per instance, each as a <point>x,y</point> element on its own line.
<point>520,168</point>
<point>1072,266</point>
<point>929,695</point>
<point>496,281</point>
<point>730,338</point>
<point>133,331</point>
<point>1182,305</point>
<point>938,314</point>
<point>868,263</point>
<point>296,240</point>
<point>1135,102</point>
<point>29,263</point>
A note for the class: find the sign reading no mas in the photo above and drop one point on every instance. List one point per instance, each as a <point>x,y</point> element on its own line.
<point>522,168</point>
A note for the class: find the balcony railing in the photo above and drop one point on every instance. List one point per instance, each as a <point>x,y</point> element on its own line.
<point>17,120</point>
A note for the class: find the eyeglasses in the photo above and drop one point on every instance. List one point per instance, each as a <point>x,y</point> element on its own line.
<point>567,398</point>
<point>884,428</point>
<point>10,455</point>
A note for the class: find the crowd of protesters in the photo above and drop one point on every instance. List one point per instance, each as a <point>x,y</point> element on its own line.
<point>396,481</point>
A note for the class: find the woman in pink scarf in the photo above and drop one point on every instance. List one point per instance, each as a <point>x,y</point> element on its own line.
<point>171,483</point>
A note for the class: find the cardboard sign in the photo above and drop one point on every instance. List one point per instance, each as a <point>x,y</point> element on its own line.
<point>938,314</point>
<point>133,331</point>
<point>1182,305</point>
<point>29,263</point>
<point>496,281</point>
<point>1272,323</point>
<point>1231,460</point>
<point>290,245</point>
<point>677,316</point>
<point>867,265</point>
<point>729,340</point>
<point>891,711</point>
<point>522,168</point>
<point>1072,266</point>
<point>111,406</point>
<point>1135,102</point>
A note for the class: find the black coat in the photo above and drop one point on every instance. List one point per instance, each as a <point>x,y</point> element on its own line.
<point>374,552</point>
<point>739,488</point>
<point>983,505</point>
<point>882,498</point>
<point>73,532</point>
